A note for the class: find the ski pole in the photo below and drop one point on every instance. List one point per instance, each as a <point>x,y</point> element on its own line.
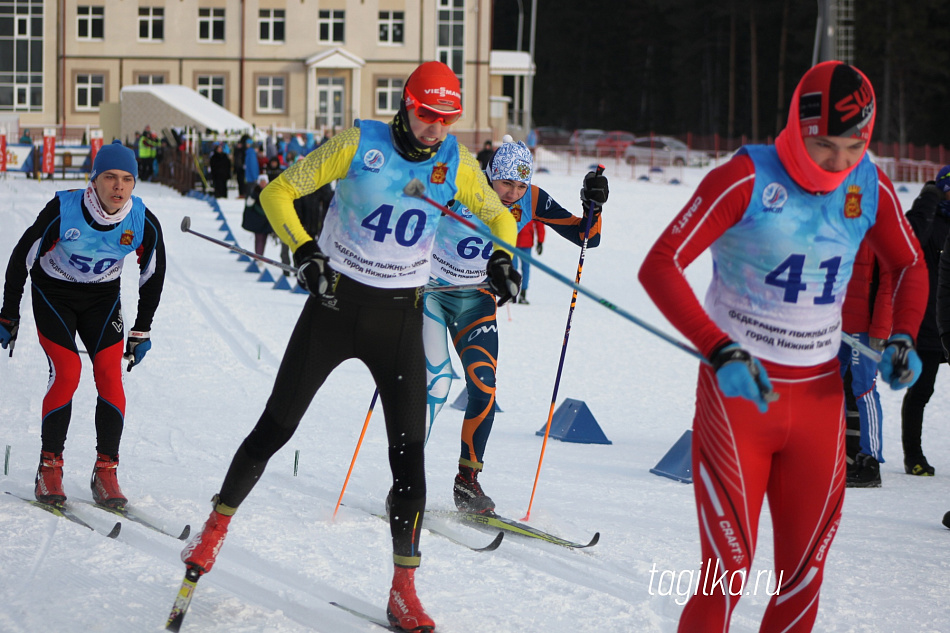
<point>861,347</point>
<point>186,228</point>
<point>356,452</point>
<point>560,365</point>
<point>416,189</point>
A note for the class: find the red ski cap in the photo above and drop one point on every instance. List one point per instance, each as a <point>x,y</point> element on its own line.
<point>433,84</point>
<point>836,100</point>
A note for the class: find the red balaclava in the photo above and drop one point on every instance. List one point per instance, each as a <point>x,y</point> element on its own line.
<point>832,99</point>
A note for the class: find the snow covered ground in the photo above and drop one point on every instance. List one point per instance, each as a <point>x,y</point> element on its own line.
<point>217,340</point>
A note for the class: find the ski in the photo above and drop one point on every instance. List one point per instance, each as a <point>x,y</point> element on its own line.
<point>66,513</point>
<point>375,619</point>
<point>133,516</point>
<point>183,599</point>
<point>494,521</point>
<point>439,531</point>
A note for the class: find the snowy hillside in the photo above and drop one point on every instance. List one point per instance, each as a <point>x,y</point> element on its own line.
<point>217,340</point>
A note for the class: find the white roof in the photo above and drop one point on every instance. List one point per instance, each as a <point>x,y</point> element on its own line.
<point>510,63</point>
<point>186,106</point>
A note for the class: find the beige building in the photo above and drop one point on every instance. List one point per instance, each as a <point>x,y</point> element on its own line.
<point>301,64</point>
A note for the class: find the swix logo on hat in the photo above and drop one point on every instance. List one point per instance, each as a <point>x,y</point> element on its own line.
<point>836,100</point>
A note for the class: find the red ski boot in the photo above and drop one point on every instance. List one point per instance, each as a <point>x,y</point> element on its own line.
<point>49,479</point>
<point>405,612</point>
<point>104,484</point>
<point>203,549</point>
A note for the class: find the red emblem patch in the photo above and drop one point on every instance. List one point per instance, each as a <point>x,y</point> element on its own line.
<point>127,237</point>
<point>516,211</point>
<point>438,173</point>
<point>852,202</point>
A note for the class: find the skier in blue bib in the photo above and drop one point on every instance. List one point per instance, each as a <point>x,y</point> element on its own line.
<point>365,274</point>
<point>468,315</point>
<point>74,253</point>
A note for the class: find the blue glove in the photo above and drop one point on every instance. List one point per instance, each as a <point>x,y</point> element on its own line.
<point>900,365</point>
<point>136,348</point>
<point>740,375</point>
<point>8,330</point>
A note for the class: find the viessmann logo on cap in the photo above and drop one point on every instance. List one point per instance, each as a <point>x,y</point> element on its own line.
<point>442,91</point>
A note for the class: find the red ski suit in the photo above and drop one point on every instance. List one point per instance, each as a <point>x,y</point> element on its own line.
<point>794,453</point>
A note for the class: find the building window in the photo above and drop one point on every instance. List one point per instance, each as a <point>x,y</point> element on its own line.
<point>21,56</point>
<point>451,35</point>
<point>210,25</point>
<point>270,94</point>
<point>90,23</point>
<point>331,25</point>
<point>391,25</point>
<point>271,22</point>
<point>211,87</point>
<point>90,90</point>
<point>388,94</point>
<point>146,79</point>
<point>151,24</point>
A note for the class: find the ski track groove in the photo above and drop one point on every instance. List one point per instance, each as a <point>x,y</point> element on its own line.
<point>222,322</point>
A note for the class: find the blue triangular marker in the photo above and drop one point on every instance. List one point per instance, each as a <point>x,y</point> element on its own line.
<point>300,290</point>
<point>282,283</point>
<point>243,258</point>
<point>252,268</point>
<point>266,276</point>
<point>678,463</point>
<point>573,422</point>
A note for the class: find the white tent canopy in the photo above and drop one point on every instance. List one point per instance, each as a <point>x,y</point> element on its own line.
<point>173,106</point>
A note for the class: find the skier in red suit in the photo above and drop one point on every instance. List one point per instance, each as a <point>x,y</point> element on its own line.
<point>783,224</point>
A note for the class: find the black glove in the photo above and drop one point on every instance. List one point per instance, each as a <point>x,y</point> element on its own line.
<point>594,192</point>
<point>943,208</point>
<point>503,279</point>
<point>539,248</point>
<point>8,330</point>
<point>136,347</point>
<point>313,271</point>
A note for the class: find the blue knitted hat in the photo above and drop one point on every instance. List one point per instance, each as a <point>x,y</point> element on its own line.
<point>943,179</point>
<point>512,161</point>
<point>115,156</point>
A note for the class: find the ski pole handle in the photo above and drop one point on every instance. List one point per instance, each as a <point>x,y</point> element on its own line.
<point>186,228</point>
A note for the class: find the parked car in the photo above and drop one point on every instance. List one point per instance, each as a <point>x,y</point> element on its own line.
<point>614,143</point>
<point>663,150</point>
<point>584,141</point>
<point>552,136</point>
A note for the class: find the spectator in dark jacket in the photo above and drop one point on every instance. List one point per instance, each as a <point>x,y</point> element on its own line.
<point>930,218</point>
<point>240,153</point>
<point>220,166</point>
<point>866,316</point>
<point>254,219</point>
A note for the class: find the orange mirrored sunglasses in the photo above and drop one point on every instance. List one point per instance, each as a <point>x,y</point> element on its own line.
<point>430,115</point>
